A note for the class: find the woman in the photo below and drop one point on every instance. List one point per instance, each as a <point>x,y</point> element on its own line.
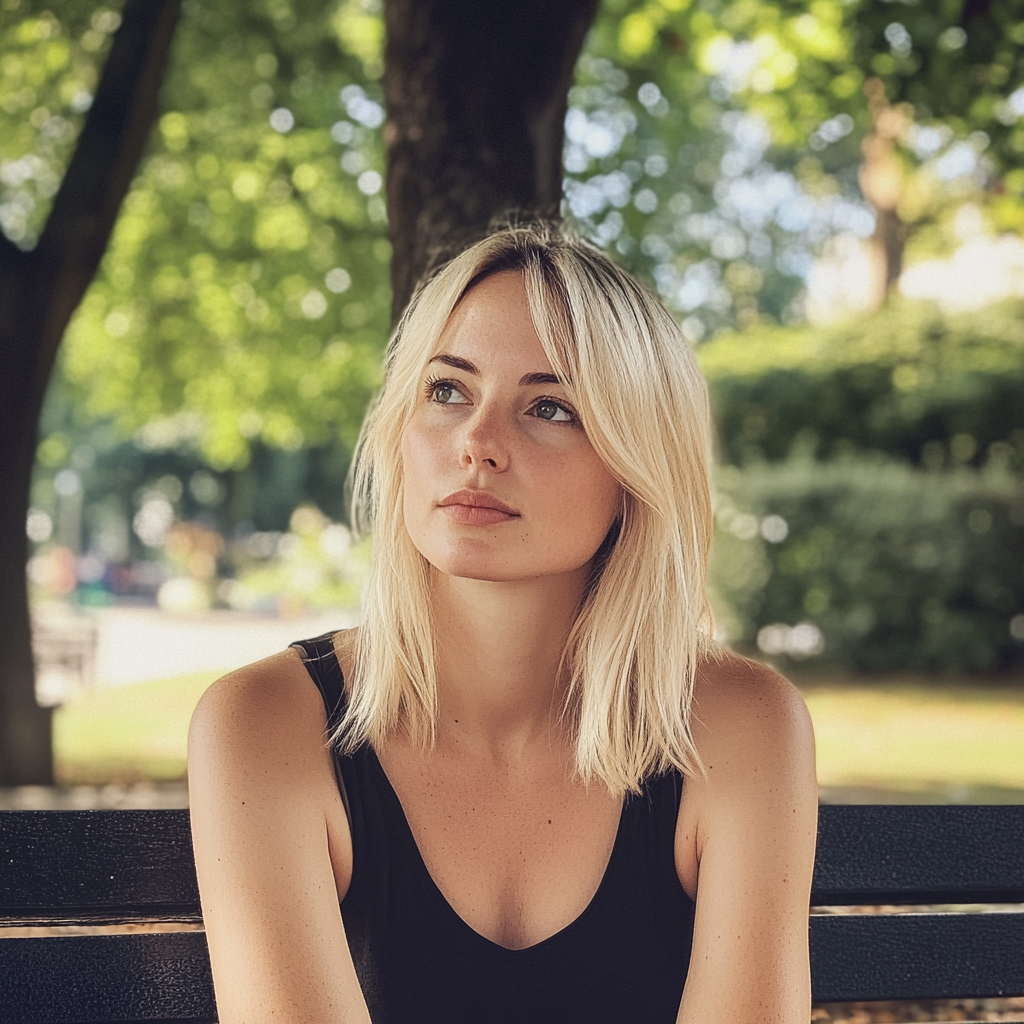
<point>548,796</point>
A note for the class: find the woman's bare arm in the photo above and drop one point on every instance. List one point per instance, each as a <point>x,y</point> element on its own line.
<point>272,850</point>
<point>752,826</point>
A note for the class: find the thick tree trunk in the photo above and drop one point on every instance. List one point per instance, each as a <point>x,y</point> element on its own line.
<point>39,290</point>
<point>476,99</point>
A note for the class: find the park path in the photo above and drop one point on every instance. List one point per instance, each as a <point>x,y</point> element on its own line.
<point>117,646</point>
<point>138,644</point>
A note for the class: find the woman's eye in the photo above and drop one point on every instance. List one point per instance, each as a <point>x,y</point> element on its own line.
<point>444,392</point>
<point>546,409</point>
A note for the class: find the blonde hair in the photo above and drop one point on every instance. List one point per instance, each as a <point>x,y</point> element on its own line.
<point>644,623</point>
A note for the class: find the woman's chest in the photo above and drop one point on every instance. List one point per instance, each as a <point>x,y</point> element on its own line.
<point>518,854</point>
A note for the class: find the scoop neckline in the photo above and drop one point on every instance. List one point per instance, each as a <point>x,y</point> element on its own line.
<point>392,796</point>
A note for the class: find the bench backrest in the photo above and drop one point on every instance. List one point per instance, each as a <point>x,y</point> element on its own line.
<point>124,867</point>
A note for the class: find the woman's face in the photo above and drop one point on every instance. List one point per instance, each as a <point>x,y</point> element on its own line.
<point>501,482</point>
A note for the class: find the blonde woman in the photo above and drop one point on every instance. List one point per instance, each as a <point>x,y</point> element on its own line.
<point>529,788</point>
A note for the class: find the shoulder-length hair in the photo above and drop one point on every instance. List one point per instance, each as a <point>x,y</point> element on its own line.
<point>644,623</point>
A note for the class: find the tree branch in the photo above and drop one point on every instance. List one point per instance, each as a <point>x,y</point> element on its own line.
<point>104,162</point>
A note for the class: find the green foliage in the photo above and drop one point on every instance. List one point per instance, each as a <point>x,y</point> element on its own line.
<point>48,72</point>
<point>214,326</point>
<point>244,297</point>
<point>738,124</point>
<point>896,567</point>
<point>660,165</point>
<point>907,380</point>
<point>959,65</point>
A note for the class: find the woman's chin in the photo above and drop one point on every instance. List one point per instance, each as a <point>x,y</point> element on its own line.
<point>495,570</point>
<point>476,569</point>
<point>478,565</point>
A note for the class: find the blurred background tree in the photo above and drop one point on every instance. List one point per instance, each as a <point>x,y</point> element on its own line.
<point>770,168</point>
<point>43,281</point>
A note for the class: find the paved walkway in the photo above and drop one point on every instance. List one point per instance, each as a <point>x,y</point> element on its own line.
<point>132,645</point>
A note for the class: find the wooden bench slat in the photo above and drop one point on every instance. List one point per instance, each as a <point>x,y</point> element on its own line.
<point>878,854</point>
<point>916,956</point>
<point>118,978</point>
<point>107,978</point>
<point>137,865</point>
<point>99,862</point>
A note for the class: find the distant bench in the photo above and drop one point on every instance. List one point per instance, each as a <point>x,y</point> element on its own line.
<point>120,867</point>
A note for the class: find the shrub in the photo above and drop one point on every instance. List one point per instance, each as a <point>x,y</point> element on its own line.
<point>906,380</point>
<point>887,566</point>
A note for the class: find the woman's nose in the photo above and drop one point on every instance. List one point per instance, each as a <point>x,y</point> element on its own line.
<point>485,443</point>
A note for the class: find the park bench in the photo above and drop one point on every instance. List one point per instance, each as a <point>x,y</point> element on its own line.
<point>131,867</point>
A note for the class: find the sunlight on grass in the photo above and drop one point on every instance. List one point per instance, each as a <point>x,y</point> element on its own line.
<point>127,733</point>
<point>891,735</point>
<point>918,735</point>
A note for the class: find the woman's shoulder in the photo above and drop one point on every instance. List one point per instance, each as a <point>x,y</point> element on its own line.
<point>275,690</point>
<point>749,720</point>
<point>723,675</point>
<point>259,695</point>
<point>258,755</point>
<point>267,715</point>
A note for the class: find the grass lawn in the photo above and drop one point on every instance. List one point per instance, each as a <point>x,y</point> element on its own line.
<point>901,738</point>
<point>127,733</point>
<point>927,739</point>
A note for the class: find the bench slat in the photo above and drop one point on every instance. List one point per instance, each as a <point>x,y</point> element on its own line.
<point>95,866</point>
<point>910,854</point>
<point>111,978</point>
<point>118,978</point>
<point>916,956</point>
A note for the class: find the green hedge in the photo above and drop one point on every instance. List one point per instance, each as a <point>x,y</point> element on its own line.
<point>906,380</point>
<point>898,568</point>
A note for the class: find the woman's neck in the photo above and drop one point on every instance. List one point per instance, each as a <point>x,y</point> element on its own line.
<point>499,646</point>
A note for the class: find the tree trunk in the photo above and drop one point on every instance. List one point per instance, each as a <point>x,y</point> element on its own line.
<point>39,291</point>
<point>476,99</point>
<point>882,180</point>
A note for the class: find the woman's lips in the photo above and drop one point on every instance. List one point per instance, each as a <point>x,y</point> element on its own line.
<point>476,515</point>
<point>475,508</point>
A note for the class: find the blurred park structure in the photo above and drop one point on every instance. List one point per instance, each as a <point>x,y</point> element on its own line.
<point>828,194</point>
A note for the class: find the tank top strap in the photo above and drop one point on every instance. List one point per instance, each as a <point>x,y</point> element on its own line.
<point>321,661</point>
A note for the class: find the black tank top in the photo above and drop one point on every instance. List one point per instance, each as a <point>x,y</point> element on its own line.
<point>623,960</point>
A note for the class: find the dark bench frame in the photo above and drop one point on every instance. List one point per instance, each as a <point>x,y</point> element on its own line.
<point>119,867</point>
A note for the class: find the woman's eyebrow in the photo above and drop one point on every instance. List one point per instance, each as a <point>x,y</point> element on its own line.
<point>467,367</point>
<point>539,378</point>
<point>454,361</point>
